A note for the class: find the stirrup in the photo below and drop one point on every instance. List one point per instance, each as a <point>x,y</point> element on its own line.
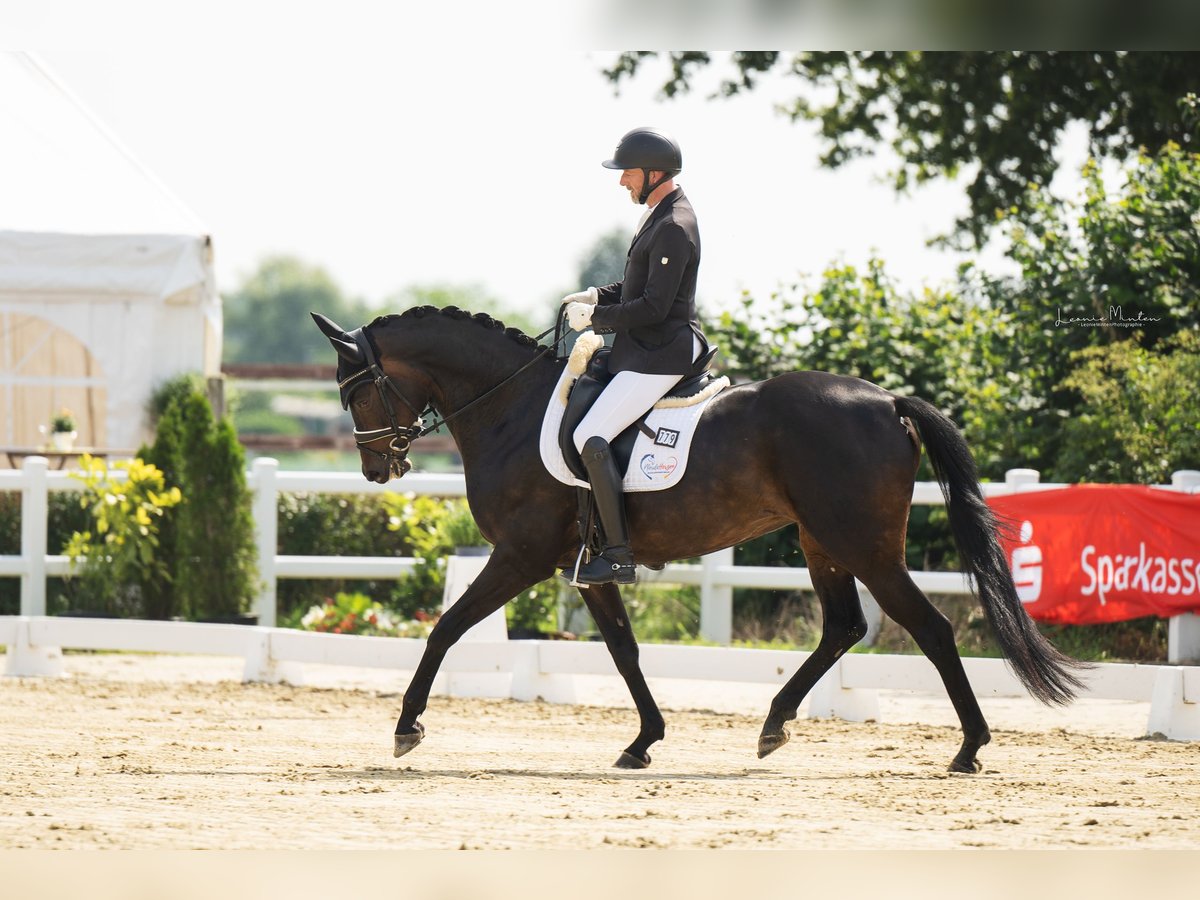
<point>572,575</point>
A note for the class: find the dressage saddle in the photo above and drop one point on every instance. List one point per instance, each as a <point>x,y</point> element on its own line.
<point>587,388</point>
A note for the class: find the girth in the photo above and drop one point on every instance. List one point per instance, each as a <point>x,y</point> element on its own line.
<point>587,389</point>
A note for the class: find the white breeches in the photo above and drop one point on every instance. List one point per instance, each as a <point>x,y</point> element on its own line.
<point>623,402</point>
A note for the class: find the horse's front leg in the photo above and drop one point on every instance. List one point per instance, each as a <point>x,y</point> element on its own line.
<point>605,604</point>
<point>500,581</point>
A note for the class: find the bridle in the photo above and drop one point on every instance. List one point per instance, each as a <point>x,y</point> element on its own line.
<point>395,457</point>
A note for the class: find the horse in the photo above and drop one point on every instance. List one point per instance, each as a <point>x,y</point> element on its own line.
<point>835,456</point>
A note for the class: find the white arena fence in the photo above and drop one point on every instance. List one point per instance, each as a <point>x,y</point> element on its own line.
<point>527,670</point>
<point>539,668</point>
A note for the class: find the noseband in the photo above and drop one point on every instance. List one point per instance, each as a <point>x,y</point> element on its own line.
<point>396,455</point>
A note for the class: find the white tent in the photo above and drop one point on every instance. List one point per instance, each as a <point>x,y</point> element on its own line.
<point>106,279</point>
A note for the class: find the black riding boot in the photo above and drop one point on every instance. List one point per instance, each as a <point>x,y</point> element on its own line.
<point>616,562</point>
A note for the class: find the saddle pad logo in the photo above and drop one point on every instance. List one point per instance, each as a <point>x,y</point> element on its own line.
<point>653,467</point>
<point>666,437</point>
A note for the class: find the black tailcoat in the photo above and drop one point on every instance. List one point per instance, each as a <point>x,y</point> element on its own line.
<point>652,309</point>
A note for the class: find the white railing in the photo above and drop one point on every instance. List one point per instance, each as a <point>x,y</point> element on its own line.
<point>547,669</point>
<point>716,574</point>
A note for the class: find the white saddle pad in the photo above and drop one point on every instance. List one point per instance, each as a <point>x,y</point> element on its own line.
<point>656,464</point>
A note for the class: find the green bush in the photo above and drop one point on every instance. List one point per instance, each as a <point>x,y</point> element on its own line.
<point>209,537</point>
<point>434,529</point>
<point>120,549</point>
<point>312,524</point>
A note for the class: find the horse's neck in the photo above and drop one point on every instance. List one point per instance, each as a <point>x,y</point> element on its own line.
<point>472,370</point>
<point>474,363</point>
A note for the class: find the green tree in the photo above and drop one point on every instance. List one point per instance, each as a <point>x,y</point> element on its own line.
<point>1094,271</point>
<point>266,318</point>
<point>209,537</point>
<point>932,344</point>
<point>1137,420</point>
<point>997,353</point>
<point>942,112</point>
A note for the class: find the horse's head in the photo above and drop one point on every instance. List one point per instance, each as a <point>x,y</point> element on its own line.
<point>384,404</point>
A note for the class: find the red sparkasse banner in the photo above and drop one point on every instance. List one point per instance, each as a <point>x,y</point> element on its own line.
<point>1103,552</point>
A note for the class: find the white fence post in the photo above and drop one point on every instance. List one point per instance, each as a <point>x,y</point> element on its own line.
<point>461,571</point>
<point>1183,631</point>
<point>871,612</point>
<point>830,700</point>
<point>266,536</point>
<point>25,658</point>
<point>1173,713</point>
<point>716,601</point>
<point>261,664</point>
<point>35,510</point>
<point>1018,478</point>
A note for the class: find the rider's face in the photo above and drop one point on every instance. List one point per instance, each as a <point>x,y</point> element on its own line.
<point>632,180</point>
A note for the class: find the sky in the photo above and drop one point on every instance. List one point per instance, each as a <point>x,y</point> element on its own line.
<point>480,165</point>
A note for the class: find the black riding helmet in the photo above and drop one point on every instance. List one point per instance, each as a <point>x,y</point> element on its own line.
<point>647,149</point>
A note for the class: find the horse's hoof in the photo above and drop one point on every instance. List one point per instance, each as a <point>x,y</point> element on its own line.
<point>769,743</point>
<point>405,742</point>
<point>628,761</point>
<point>969,767</point>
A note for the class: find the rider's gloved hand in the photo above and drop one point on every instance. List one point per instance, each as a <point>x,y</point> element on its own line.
<point>590,296</point>
<point>579,316</point>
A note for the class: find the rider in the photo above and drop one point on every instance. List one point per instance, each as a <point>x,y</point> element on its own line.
<point>652,311</point>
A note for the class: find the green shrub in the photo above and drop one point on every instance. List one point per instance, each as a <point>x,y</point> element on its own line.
<point>209,538</point>
<point>173,390</point>
<point>312,524</point>
<point>420,521</point>
<point>434,529</point>
<point>120,551</point>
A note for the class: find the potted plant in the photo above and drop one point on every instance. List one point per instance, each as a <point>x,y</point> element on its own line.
<point>62,431</point>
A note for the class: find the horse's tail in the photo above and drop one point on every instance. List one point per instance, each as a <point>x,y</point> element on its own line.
<point>1042,668</point>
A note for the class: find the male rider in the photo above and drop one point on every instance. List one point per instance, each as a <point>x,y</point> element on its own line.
<point>652,312</point>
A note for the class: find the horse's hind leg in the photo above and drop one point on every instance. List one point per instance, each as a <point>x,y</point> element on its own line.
<point>605,604</point>
<point>901,599</point>
<point>843,626</point>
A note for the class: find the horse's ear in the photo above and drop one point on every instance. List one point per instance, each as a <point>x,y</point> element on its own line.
<point>345,345</point>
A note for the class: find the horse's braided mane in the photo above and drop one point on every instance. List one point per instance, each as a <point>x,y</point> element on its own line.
<point>454,312</point>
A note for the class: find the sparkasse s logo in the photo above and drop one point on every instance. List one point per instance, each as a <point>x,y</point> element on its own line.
<point>1026,566</point>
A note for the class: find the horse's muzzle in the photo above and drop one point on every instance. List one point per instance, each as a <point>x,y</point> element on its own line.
<point>394,467</point>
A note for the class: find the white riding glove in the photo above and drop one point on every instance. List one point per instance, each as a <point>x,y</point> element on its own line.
<point>579,316</point>
<point>590,297</point>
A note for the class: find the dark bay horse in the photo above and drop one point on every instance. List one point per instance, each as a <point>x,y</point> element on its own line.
<point>833,455</point>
